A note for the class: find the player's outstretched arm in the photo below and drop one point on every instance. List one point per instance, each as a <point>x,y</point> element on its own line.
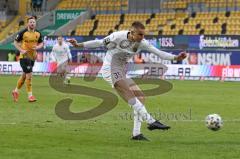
<point>164,55</point>
<point>75,43</point>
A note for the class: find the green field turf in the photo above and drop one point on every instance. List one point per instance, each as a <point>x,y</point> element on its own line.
<point>34,131</point>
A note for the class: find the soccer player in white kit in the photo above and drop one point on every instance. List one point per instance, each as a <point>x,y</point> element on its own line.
<point>121,46</point>
<point>62,55</point>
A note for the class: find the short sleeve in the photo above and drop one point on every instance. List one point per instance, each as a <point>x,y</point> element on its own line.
<point>19,36</point>
<point>40,39</point>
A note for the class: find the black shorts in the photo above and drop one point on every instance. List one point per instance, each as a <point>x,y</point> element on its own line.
<point>27,65</point>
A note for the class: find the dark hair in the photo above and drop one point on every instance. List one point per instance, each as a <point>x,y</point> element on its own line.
<point>138,25</point>
<point>32,17</point>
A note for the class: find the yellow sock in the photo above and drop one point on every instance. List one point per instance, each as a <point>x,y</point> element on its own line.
<point>29,85</point>
<point>20,82</point>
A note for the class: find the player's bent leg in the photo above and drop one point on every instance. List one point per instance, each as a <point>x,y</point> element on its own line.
<point>20,82</point>
<point>31,98</point>
<point>123,90</point>
<point>152,123</point>
<point>67,79</point>
<point>138,92</point>
<point>62,72</point>
<point>128,95</point>
<point>140,95</point>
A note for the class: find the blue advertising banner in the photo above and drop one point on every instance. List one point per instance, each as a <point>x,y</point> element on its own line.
<point>195,57</point>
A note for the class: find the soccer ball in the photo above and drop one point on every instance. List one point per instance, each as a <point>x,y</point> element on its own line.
<point>214,122</point>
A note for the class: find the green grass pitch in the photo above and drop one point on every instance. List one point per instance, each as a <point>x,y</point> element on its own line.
<point>34,131</point>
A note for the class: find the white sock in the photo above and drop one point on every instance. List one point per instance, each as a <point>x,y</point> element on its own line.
<point>29,94</point>
<point>140,108</point>
<point>137,122</point>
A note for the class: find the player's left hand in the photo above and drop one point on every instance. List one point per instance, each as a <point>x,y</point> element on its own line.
<point>181,56</point>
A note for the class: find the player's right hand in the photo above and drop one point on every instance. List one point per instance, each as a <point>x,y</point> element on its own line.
<point>73,42</point>
<point>181,56</point>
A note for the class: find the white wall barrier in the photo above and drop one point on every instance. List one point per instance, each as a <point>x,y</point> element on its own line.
<point>191,72</point>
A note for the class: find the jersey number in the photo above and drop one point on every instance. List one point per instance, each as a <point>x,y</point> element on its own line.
<point>117,75</point>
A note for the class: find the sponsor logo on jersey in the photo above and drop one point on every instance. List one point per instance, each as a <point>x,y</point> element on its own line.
<point>125,44</point>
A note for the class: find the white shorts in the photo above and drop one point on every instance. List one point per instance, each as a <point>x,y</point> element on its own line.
<point>62,67</point>
<point>114,74</point>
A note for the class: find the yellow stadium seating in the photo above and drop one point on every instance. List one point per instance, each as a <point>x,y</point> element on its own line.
<point>94,4</point>
<point>167,23</point>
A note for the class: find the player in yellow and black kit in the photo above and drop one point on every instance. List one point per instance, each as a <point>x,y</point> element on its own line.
<point>27,42</point>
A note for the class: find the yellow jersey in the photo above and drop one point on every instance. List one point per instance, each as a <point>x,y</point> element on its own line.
<point>29,39</point>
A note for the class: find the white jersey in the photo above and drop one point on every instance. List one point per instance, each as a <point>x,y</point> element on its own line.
<point>61,53</point>
<point>120,49</point>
